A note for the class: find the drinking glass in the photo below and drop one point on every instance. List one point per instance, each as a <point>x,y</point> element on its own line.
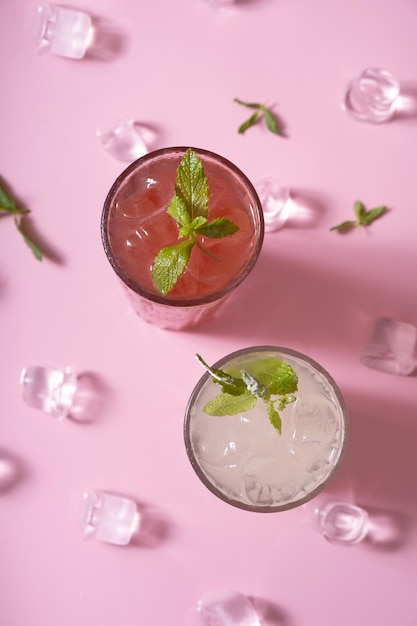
<point>244,460</point>
<point>135,225</point>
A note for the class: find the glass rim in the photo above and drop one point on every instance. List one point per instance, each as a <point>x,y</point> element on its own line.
<point>233,501</point>
<point>166,300</point>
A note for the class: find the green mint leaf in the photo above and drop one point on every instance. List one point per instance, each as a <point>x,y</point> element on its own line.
<point>260,109</point>
<point>191,184</point>
<point>230,384</point>
<point>282,402</point>
<point>363,217</point>
<point>372,215</point>
<point>248,123</point>
<point>35,250</point>
<point>226,404</point>
<point>8,204</point>
<point>359,211</point>
<point>251,105</point>
<point>278,376</point>
<point>169,264</point>
<point>189,208</point>
<point>270,121</point>
<point>253,385</point>
<point>178,210</point>
<point>345,226</point>
<point>218,228</point>
<point>274,417</point>
<point>261,379</point>
<point>189,229</point>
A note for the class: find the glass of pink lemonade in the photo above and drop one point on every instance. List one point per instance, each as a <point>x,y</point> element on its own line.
<point>135,226</point>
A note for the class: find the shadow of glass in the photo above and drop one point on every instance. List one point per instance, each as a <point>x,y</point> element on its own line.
<point>378,471</point>
<point>91,395</point>
<point>329,303</point>
<point>11,471</point>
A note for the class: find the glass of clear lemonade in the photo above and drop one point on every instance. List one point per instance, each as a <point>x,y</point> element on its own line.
<point>136,225</point>
<point>274,452</point>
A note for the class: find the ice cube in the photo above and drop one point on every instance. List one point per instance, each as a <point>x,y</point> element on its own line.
<point>392,347</point>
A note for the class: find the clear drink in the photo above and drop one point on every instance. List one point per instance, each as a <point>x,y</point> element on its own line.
<point>245,461</point>
<point>135,226</point>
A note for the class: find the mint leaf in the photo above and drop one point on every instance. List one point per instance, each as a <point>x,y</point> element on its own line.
<point>179,211</point>
<point>250,105</point>
<point>260,110</point>
<point>35,250</point>
<point>226,404</point>
<point>169,264</point>
<point>255,387</point>
<point>270,121</point>
<point>261,379</point>
<point>278,376</point>
<point>8,204</point>
<point>274,417</point>
<point>218,228</point>
<point>192,227</point>
<point>359,210</point>
<point>371,215</point>
<point>231,385</point>
<point>189,208</point>
<point>345,226</point>
<point>251,121</point>
<point>363,217</point>
<point>191,184</point>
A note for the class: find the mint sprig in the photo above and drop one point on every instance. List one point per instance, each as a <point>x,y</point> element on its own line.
<point>363,216</point>
<point>189,208</point>
<point>260,111</point>
<point>271,379</point>
<point>8,205</point>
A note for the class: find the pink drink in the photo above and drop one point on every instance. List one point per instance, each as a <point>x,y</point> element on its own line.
<point>136,225</point>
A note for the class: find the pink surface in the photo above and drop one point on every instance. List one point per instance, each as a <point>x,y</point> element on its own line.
<point>178,66</point>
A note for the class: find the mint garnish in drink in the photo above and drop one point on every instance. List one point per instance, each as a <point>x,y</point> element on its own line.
<point>271,379</point>
<point>363,217</point>
<point>189,208</point>
<point>9,205</point>
<point>260,111</point>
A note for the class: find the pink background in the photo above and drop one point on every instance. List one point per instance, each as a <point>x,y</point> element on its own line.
<point>178,66</point>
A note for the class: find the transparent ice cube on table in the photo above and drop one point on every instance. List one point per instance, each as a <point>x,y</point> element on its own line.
<point>108,517</point>
<point>225,608</point>
<point>342,522</point>
<point>276,203</point>
<point>372,96</point>
<point>392,347</point>
<point>63,31</point>
<point>127,140</point>
<point>51,390</point>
